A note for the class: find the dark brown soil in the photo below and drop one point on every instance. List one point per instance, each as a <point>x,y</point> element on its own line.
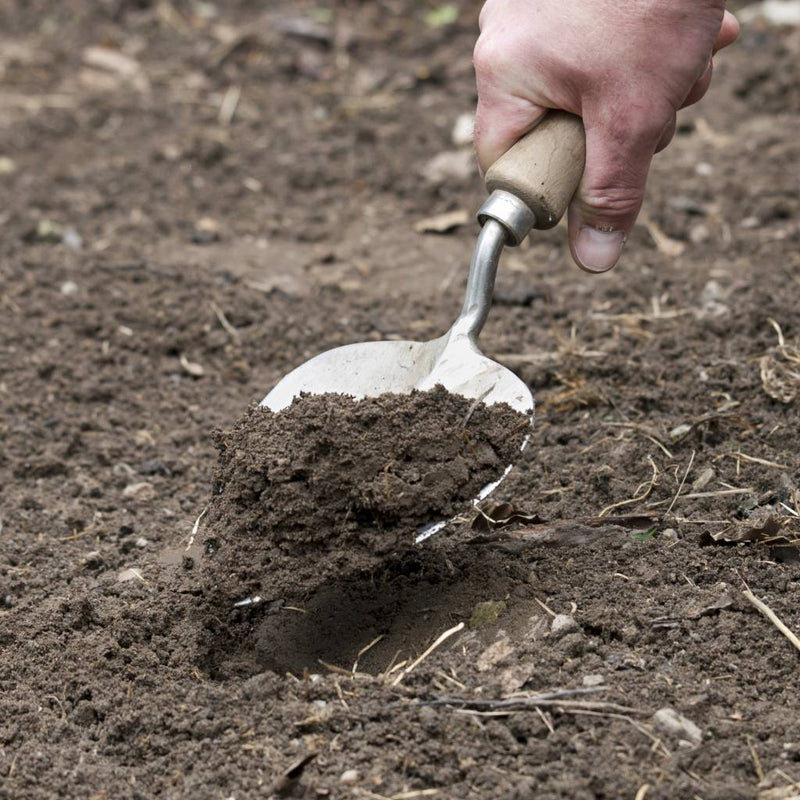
<point>331,485</point>
<point>183,227</point>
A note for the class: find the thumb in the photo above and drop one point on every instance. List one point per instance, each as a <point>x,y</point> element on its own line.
<point>604,209</point>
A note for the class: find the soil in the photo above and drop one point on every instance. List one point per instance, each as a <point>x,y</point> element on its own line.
<point>239,192</point>
<point>332,485</point>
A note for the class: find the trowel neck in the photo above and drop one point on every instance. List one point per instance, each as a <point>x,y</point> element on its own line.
<point>506,220</point>
<point>480,284</point>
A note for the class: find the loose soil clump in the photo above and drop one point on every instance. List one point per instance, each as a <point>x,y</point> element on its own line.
<point>333,484</point>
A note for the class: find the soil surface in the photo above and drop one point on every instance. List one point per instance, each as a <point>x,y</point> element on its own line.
<point>200,196</point>
<point>330,485</point>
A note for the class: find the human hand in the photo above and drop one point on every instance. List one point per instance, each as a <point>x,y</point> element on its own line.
<point>624,66</point>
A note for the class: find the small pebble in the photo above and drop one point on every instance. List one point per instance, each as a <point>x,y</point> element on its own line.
<point>593,680</point>
<point>450,166</point>
<point>93,560</point>
<point>141,491</point>
<point>72,239</point>
<point>141,542</point>
<point>704,169</point>
<point>563,624</point>
<point>699,234</point>
<point>464,130</point>
<point>703,479</point>
<point>349,776</point>
<point>671,534</point>
<point>671,723</point>
<point>69,288</point>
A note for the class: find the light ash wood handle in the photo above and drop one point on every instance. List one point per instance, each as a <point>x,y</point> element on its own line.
<point>544,168</point>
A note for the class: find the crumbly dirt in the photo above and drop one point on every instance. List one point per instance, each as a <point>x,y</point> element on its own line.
<point>330,485</point>
<point>239,193</point>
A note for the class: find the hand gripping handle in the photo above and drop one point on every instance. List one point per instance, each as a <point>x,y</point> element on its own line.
<point>544,168</point>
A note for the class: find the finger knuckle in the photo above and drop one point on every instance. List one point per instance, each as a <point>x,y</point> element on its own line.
<point>613,201</point>
<point>486,57</point>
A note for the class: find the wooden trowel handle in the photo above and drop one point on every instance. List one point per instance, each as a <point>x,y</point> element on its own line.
<point>544,168</point>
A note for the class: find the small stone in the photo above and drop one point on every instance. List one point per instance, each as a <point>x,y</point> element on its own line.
<point>122,470</point>
<point>671,723</point>
<point>703,479</point>
<point>69,288</point>
<point>450,166</point>
<point>141,542</point>
<point>699,234</point>
<point>563,624</point>
<point>671,534</point>
<point>704,169</point>
<point>486,613</point>
<point>141,491</point>
<point>92,560</point>
<point>206,231</point>
<point>171,152</point>
<point>464,130</point>
<point>72,239</point>
<point>7,165</point>
<point>593,680</point>
<point>680,430</point>
<point>349,776</point>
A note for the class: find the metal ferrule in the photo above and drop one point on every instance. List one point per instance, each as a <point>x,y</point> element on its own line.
<point>510,212</point>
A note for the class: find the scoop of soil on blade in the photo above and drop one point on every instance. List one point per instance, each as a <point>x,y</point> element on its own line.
<point>332,485</point>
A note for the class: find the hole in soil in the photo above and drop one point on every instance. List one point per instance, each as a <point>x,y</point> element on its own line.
<point>408,604</point>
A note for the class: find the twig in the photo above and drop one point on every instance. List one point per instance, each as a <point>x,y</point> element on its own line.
<point>559,698</point>
<point>544,718</point>
<point>698,495</point>
<point>414,664</point>
<point>637,497</point>
<point>225,322</point>
<point>195,528</point>
<point>756,760</point>
<point>229,104</point>
<point>644,432</point>
<point>771,616</point>
<point>341,670</point>
<point>739,455</point>
<point>685,475</point>
<point>340,693</point>
<point>546,607</point>
<point>366,649</point>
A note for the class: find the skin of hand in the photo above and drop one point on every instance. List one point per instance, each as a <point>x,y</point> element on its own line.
<point>624,66</point>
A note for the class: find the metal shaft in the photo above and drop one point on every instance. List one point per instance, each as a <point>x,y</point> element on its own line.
<point>506,220</point>
<point>480,284</point>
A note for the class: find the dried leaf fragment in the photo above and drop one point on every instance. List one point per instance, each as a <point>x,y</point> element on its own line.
<point>443,223</point>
